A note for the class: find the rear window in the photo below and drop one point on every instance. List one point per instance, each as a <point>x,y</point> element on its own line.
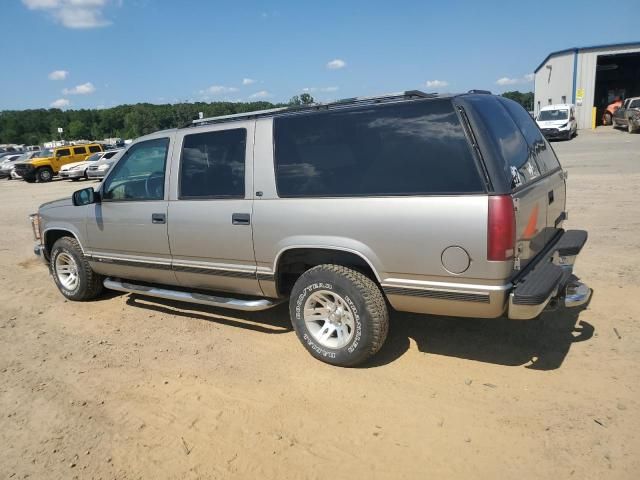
<point>403,149</point>
<point>94,148</point>
<point>547,160</point>
<point>521,167</point>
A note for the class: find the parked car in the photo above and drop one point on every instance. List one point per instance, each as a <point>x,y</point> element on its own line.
<point>558,121</point>
<point>50,160</point>
<point>607,116</point>
<point>77,170</point>
<point>7,164</point>
<point>445,205</point>
<point>100,168</point>
<point>628,115</point>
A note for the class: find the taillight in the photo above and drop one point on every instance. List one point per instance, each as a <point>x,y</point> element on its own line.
<point>501,234</point>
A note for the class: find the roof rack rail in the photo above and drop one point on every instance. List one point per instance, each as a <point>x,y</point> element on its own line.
<point>486,92</point>
<point>315,106</point>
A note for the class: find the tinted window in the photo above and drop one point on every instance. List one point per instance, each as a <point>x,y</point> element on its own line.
<point>63,153</point>
<point>94,148</point>
<point>109,154</point>
<point>139,175</point>
<point>519,163</point>
<point>79,150</point>
<point>404,149</point>
<point>212,164</point>
<point>545,156</point>
<point>635,104</point>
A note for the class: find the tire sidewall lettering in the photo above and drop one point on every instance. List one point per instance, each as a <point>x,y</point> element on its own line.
<point>308,339</point>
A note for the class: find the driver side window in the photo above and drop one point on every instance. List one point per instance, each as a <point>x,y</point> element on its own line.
<point>139,175</point>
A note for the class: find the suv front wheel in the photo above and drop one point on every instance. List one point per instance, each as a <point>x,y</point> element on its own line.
<point>44,174</point>
<point>72,273</point>
<point>339,315</point>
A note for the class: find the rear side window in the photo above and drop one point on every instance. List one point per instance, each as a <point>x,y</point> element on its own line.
<point>547,160</point>
<point>79,150</point>
<point>212,164</point>
<point>63,153</point>
<point>403,149</point>
<point>94,149</point>
<point>520,166</point>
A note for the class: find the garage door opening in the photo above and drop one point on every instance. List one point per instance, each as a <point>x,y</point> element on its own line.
<point>616,76</point>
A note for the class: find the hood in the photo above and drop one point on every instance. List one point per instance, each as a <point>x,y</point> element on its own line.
<point>62,202</point>
<point>551,123</point>
<point>69,166</point>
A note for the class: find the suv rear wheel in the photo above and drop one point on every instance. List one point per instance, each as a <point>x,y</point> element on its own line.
<point>44,174</point>
<point>71,271</point>
<point>339,315</point>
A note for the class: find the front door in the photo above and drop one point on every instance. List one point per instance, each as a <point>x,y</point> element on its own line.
<point>211,207</point>
<point>127,230</point>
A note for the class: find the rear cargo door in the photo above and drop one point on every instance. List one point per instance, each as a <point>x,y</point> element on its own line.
<point>521,176</point>
<point>551,180</point>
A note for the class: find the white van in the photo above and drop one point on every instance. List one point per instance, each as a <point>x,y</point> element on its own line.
<point>558,121</point>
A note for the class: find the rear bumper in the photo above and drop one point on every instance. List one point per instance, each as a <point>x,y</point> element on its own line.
<point>550,279</point>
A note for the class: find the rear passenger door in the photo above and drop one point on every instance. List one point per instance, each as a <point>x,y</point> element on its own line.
<point>211,207</point>
<point>79,154</point>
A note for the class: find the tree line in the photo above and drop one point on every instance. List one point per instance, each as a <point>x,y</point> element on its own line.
<point>37,126</point>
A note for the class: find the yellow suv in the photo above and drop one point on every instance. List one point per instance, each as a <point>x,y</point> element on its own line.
<point>49,161</point>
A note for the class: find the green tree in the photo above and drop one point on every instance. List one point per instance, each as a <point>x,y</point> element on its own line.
<point>302,99</point>
<point>524,99</point>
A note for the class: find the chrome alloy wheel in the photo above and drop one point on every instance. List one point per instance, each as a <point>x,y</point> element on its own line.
<point>67,271</point>
<point>329,319</point>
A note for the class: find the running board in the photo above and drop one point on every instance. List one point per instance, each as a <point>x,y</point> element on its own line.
<point>191,297</point>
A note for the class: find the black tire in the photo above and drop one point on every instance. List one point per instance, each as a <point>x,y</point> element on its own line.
<point>630,127</point>
<point>364,300</point>
<point>89,284</point>
<point>75,179</point>
<point>44,175</point>
<point>607,119</point>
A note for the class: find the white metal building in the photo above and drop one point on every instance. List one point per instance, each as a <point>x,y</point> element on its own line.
<point>588,77</point>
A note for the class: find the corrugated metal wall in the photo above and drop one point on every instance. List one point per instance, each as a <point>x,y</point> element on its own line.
<point>553,85</point>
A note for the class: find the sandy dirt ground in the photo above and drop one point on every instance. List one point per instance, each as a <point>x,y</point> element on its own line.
<point>128,388</point>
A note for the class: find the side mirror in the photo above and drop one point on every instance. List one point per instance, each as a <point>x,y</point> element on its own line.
<point>86,196</point>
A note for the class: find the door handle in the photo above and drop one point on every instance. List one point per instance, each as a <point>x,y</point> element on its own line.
<point>158,218</point>
<point>550,197</point>
<point>241,219</point>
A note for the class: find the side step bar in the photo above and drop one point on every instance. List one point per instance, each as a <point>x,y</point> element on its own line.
<point>191,297</point>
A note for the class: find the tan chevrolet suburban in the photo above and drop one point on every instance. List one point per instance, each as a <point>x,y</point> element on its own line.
<point>444,205</point>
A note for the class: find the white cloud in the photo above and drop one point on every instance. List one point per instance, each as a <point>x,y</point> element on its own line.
<point>84,89</point>
<point>320,89</point>
<point>218,90</point>
<point>58,75</point>
<point>436,83</point>
<point>260,94</point>
<point>73,13</point>
<point>504,81</point>
<point>60,103</point>
<point>336,64</point>
<point>248,81</point>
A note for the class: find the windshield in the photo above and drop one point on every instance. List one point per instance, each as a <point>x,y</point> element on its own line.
<point>24,156</point>
<point>635,103</point>
<point>550,115</point>
<point>47,152</point>
<point>94,157</point>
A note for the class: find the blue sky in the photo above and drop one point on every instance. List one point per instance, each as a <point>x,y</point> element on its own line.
<point>95,53</point>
